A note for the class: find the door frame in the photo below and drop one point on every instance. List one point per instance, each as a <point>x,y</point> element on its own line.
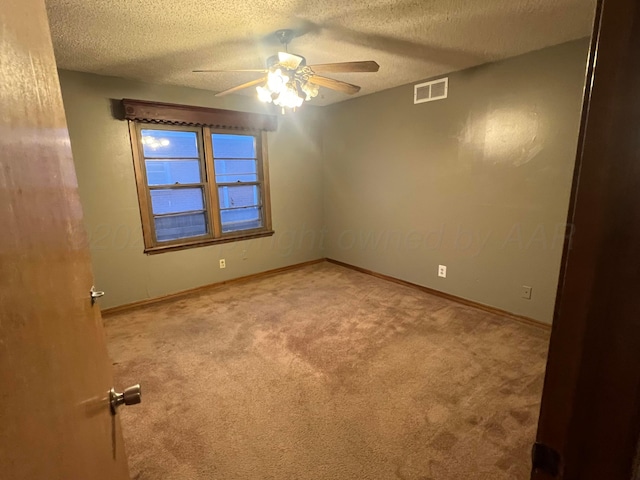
<point>589,413</point>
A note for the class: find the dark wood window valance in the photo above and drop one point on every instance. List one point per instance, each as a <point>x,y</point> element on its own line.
<point>172,114</point>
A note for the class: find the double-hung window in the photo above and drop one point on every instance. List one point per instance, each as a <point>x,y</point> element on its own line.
<point>239,181</point>
<point>199,185</point>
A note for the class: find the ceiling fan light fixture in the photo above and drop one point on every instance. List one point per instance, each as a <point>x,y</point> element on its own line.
<point>277,81</point>
<point>264,94</point>
<point>289,98</point>
<point>311,90</point>
<point>282,89</point>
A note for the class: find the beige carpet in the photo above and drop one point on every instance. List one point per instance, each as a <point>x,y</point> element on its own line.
<point>324,373</point>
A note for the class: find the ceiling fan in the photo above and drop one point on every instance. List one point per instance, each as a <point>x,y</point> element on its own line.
<point>288,81</point>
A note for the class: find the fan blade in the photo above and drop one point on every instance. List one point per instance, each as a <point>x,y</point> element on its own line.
<point>288,60</point>
<point>334,84</point>
<point>368,66</point>
<point>240,87</point>
<point>262,70</point>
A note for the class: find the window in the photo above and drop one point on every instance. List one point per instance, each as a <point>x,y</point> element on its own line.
<point>238,181</point>
<point>199,185</point>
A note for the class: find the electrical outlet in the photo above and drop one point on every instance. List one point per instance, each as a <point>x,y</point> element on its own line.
<point>526,292</point>
<point>223,264</point>
<point>442,271</point>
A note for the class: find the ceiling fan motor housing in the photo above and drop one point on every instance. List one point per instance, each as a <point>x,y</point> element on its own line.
<point>274,60</point>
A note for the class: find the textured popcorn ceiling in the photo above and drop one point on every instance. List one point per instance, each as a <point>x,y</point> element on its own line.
<point>161,41</point>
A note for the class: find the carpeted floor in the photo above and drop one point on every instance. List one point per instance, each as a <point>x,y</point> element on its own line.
<point>324,373</point>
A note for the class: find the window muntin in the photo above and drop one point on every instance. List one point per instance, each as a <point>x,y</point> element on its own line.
<point>170,172</point>
<point>199,186</point>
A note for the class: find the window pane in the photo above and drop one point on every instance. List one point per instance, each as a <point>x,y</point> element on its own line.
<point>170,172</point>
<point>241,219</point>
<point>169,144</point>
<point>180,226</point>
<point>233,146</point>
<point>229,171</point>
<point>242,196</point>
<point>176,200</point>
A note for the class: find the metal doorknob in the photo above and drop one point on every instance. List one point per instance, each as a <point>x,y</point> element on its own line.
<point>130,396</point>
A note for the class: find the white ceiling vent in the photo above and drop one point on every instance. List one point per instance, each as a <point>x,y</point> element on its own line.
<point>430,91</point>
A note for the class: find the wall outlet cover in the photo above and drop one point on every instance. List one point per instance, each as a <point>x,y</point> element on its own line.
<point>442,271</point>
<point>223,264</point>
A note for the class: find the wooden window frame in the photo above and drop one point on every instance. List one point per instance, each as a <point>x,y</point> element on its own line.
<point>208,185</point>
<point>262,182</point>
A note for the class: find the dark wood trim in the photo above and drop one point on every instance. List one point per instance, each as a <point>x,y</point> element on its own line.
<point>263,165</point>
<point>173,114</point>
<point>454,298</point>
<point>207,242</point>
<point>194,291</point>
<point>559,379</point>
<point>214,214</point>
<point>144,201</point>
<point>589,412</point>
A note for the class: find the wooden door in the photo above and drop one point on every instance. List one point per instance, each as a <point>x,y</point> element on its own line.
<point>590,415</point>
<point>55,421</point>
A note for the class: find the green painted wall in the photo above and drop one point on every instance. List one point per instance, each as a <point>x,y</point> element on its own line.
<point>479,182</point>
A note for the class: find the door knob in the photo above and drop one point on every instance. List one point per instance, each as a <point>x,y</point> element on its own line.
<point>130,396</point>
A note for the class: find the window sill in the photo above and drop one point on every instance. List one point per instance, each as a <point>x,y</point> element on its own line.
<point>205,243</point>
